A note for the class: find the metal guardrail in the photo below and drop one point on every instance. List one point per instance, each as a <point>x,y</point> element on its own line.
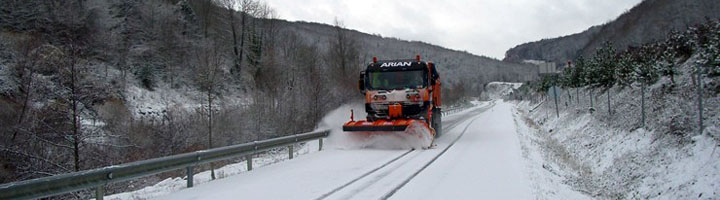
<point>453,110</point>
<point>98,178</point>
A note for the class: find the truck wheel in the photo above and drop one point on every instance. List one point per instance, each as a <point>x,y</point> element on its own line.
<point>437,121</point>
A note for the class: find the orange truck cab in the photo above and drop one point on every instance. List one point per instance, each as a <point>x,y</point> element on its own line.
<point>399,91</point>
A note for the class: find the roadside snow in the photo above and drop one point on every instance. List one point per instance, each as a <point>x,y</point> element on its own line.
<point>605,162</point>
<point>612,154</point>
<point>174,184</point>
<point>548,181</point>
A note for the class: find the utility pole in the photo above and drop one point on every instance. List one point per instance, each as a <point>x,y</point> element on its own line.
<point>557,111</point>
<point>642,100</point>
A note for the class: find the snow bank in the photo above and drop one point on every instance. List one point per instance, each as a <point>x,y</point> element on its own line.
<point>545,174</point>
<point>606,162</point>
<point>334,121</point>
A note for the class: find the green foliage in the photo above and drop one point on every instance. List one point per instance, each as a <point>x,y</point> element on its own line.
<point>710,51</point>
<point>546,82</point>
<point>643,58</point>
<point>603,67</point>
<point>625,69</point>
<point>255,46</point>
<point>666,64</point>
<point>146,75</point>
<point>574,75</point>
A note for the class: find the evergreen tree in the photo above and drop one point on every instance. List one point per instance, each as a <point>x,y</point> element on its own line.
<point>605,66</point>
<point>625,68</point>
<point>255,44</point>
<point>666,64</point>
<point>188,20</point>
<point>644,58</point>
<point>578,75</point>
<point>710,54</point>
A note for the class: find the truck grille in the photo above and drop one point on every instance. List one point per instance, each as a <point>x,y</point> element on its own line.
<point>410,110</point>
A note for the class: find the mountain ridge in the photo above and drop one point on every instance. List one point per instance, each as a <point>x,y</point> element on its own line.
<point>649,21</point>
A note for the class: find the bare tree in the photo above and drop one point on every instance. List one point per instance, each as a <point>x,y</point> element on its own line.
<point>315,80</point>
<point>206,15</point>
<point>343,56</point>
<point>210,79</point>
<point>247,8</point>
<point>24,73</point>
<point>230,8</point>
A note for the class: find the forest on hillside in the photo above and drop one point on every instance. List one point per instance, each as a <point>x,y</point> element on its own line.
<point>67,67</point>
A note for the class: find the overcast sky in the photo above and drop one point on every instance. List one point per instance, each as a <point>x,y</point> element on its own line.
<point>481,27</point>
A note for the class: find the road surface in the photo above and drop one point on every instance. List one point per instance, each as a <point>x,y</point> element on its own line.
<point>478,157</point>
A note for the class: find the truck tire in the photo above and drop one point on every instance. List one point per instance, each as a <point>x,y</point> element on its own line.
<point>437,121</point>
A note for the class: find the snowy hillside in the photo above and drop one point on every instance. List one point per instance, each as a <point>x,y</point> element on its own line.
<point>612,156</point>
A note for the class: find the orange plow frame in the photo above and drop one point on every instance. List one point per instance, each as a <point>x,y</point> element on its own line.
<point>381,125</point>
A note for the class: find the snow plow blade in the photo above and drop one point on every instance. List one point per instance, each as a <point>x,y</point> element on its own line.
<point>399,133</point>
<point>379,126</point>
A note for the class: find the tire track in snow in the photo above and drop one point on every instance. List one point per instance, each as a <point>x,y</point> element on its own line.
<point>364,175</point>
<point>398,187</point>
<point>380,176</point>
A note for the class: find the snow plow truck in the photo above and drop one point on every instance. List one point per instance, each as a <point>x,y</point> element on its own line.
<point>402,98</point>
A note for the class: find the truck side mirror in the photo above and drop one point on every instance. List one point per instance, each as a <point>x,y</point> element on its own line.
<point>361,82</point>
<point>433,77</point>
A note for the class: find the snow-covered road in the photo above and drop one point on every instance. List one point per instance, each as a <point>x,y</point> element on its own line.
<point>484,163</point>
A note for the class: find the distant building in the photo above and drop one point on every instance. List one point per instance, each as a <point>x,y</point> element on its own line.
<point>545,68</point>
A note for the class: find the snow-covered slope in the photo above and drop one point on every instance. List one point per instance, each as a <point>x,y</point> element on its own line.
<point>612,156</point>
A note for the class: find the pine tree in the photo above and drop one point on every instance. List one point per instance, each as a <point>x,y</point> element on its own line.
<point>666,64</point>
<point>187,18</point>
<point>255,44</point>
<point>625,68</point>
<point>644,58</point>
<point>606,66</point>
<point>710,53</point>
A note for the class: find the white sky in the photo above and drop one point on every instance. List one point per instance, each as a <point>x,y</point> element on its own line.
<point>481,27</point>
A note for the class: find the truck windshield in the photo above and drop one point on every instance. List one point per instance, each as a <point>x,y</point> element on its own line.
<point>396,80</point>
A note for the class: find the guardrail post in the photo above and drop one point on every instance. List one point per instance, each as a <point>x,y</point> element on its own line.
<point>320,143</point>
<point>290,151</point>
<point>248,159</point>
<point>100,192</point>
<point>190,174</point>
